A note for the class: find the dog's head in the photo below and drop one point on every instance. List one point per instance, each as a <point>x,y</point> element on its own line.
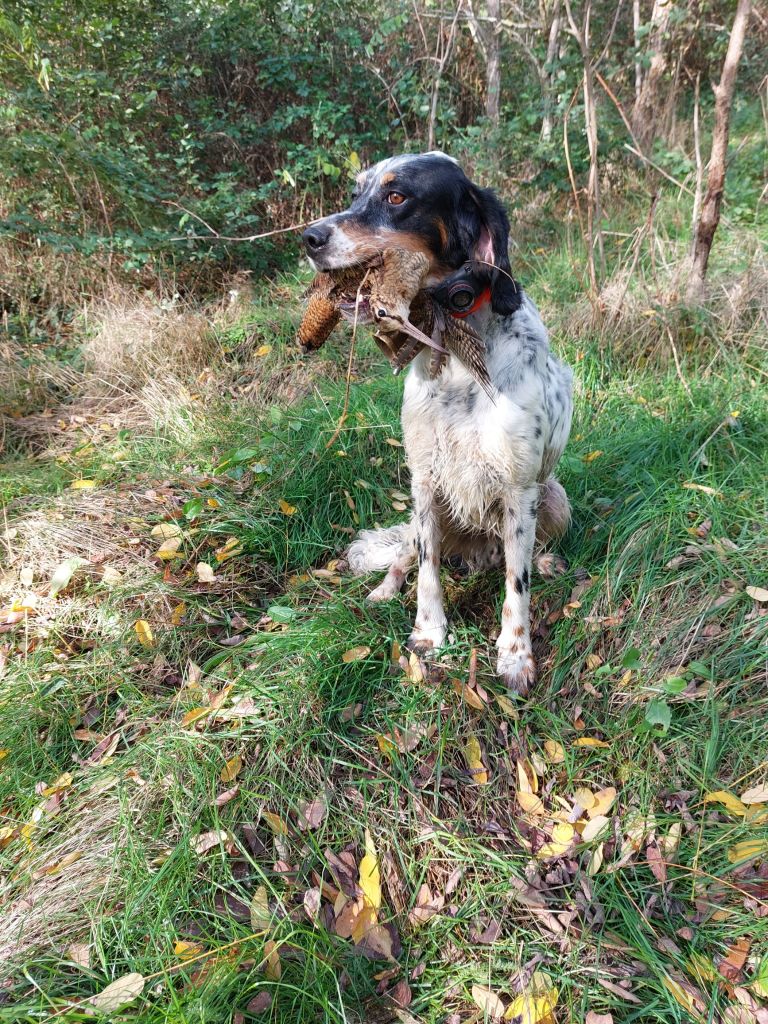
<point>426,203</point>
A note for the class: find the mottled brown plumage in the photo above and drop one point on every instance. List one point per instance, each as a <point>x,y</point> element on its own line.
<point>389,293</point>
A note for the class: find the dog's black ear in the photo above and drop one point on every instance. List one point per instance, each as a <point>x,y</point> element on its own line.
<point>491,244</point>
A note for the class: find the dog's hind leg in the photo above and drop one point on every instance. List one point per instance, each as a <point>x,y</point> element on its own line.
<point>393,549</point>
<point>515,662</point>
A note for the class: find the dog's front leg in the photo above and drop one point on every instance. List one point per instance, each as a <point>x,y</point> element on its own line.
<point>515,662</point>
<point>430,626</point>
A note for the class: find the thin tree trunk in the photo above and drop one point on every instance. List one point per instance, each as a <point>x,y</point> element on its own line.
<point>547,76</point>
<point>636,38</point>
<point>645,113</point>
<point>493,62</point>
<point>709,217</point>
<point>443,50</point>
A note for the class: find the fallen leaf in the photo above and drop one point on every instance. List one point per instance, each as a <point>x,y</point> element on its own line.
<point>186,950</point>
<point>272,966</point>
<point>144,633</point>
<point>369,874</point>
<point>261,915</point>
<point>355,654</point>
<point>118,993</point>
<point>756,795</point>
<point>590,741</point>
<point>205,573</point>
<point>312,813</point>
<point>732,964</point>
<point>262,350</point>
<point>275,822</point>
<point>759,982</point>
<point>79,953</point>
<point>85,485</point>
<point>555,751</point>
<point>426,906</point>
<point>507,706</point>
<point>619,990</point>
<point>531,804</point>
<point>603,801</point>
<point>686,995</point>
<point>393,442</point>
<point>166,530</point>
<point>469,694</point>
<point>594,827</point>
<point>656,862</point>
<point>488,1001</point>
<point>178,613</point>
<point>285,508</point>
<point>194,715</point>
<point>750,849</point>
<point>703,488</point>
<point>64,573</point>
<point>591,456</point>
<point>231,769</point>
<point>537,1005</point>
<point>757,594</point>
<point>598,1018</point>
<point>223,798</point>
<point>228,550</point>
<point>731,803</point>
<point>474,759</point>
<point>260,1002</point>
<point>207,841</point>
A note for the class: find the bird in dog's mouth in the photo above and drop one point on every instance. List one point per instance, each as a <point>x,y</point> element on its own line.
<point>389,291</point>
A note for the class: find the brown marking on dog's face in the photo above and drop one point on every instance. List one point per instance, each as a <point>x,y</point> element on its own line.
<point>387,178</point>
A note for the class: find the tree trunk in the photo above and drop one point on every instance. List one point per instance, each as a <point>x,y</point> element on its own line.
<point>709,218</point>
<point>493,62</point>
<point>636,38</point>
<point>547,76</point>
<point>645,113</point>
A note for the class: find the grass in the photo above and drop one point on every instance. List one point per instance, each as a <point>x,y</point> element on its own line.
<point>650,644</point>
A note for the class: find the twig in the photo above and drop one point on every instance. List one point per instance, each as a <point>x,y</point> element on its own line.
<point>214,234</point>
<point>348,384</point>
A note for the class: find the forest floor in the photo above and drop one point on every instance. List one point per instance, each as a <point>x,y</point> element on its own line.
<point>203,725</point>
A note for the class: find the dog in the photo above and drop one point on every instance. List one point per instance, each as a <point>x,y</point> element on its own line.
<point>481,465</point>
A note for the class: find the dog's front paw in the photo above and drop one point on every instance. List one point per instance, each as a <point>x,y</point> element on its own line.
<point>517,668</point>
<point>425,639</point>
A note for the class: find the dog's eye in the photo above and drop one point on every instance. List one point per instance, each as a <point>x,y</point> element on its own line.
<point>395,198</point>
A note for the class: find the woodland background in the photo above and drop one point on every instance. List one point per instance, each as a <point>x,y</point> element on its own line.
<point>226,794</point>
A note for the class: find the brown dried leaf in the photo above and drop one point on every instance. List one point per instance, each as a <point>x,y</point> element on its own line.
<point>312,813</point>
<point>488,1001</point>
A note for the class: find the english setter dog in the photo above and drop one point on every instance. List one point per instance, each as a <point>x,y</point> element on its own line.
<point>481,466</point>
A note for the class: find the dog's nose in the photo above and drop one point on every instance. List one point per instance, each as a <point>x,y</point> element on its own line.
<point>315,237</point>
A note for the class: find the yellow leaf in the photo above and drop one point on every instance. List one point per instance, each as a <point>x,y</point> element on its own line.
<point>4,753</point>
<point>731,803</point>
<point>369,875</point>
<point>507,706</point>
<point>591,456</point>
<point>166,531</point>
<point>355,654</point>
<point>178,614</point>
<point>590,741</point>
<point>82,485</point>
<point>363,922</point>
<point>169,549</point>
<point>263,350</point>
<point>554,751</point>
<point>231,769</point>
<point>530,803</point>
<point>759,984</point>
<point>195,715</point>
<point>285,508</point>
<point>118,994</point>
<point>750,849</point>
<point>185,950</point>
<point>394,442</point>
<point>474,758</point>
<point>228,550</point>
<point>144,633</point>
<point>211,503</point>
<point>533,1009</point>
<point>603,802</point>
<point>678,993</point>
<point>275,822</point>
<point>563,834</point>
<point>386,745</point>
<point>472,697</point>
